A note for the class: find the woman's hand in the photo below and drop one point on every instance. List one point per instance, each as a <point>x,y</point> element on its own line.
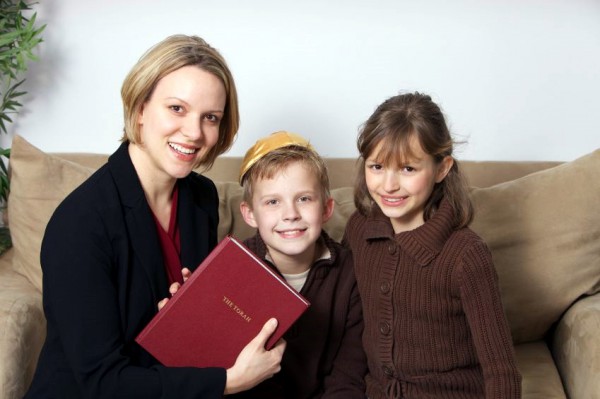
<point>255,364</point>
<point>173,288</point>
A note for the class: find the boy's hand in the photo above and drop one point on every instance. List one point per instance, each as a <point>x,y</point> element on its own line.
<point>173,288</point>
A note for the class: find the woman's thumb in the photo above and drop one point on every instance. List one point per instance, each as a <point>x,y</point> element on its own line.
<point>267,330</point>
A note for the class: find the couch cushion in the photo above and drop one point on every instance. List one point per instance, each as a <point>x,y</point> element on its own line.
<point>541,379</point>
<point>39,182</point>
<point>544,233</point>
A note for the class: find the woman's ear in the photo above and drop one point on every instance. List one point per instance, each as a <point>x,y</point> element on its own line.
<point>247,214</point>
<point>443,168</point>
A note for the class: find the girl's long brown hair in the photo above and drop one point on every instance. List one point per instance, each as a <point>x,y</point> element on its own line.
<point>398,121</point>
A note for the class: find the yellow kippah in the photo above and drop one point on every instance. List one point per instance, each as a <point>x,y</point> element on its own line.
<point>267,144</point>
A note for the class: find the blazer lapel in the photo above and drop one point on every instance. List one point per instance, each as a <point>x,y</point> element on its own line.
<point>139,221</point>
<point>193,226</point>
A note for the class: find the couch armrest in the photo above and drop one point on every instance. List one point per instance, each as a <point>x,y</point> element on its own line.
<point>22,330</point>
<point>576,348</point>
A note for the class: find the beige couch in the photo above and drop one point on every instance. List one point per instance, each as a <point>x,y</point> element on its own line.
<point>543,230</point>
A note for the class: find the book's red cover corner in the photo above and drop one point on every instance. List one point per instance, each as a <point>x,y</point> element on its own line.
<point>220,309</point>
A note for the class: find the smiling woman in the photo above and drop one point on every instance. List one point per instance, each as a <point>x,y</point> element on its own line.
<point>116,245</point>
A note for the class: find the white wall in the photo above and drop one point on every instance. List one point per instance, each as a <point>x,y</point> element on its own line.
<point>517,79</point>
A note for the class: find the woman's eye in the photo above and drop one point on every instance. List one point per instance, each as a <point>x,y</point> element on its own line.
<point>212,118</point>
<point>176,108</point>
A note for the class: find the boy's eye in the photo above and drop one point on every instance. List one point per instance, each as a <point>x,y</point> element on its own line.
<point>271,202</point>
<point>305,198</point>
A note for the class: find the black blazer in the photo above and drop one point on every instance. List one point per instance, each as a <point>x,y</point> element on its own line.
<point>103,275</point>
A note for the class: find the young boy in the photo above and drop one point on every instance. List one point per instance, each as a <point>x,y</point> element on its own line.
<point>286,198</point>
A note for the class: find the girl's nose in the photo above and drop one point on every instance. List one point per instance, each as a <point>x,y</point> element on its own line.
<point>391,181</point>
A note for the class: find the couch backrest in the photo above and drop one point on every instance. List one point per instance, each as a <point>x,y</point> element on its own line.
<point>342,170</point>
<point>543,228</point>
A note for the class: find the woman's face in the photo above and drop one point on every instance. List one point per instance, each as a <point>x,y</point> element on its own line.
<point>180,122</point>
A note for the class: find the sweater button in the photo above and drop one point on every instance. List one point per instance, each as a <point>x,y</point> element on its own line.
<point>384,328</point>
<point>387,371</point>
<point>385,287</point>
<point>392,249</point>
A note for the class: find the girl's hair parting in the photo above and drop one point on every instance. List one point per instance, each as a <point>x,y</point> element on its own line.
<point>397,122</point>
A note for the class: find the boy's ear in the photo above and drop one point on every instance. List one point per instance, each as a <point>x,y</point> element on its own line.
<point>247,214</point>
<point>328,211</point>
<point>443,168</point>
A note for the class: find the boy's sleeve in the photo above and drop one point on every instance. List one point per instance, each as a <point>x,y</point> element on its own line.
<point>346,380</point>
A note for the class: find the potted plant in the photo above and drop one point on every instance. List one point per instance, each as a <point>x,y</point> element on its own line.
<point>19,36</point>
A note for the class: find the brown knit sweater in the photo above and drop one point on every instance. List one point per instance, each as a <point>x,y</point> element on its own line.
<point>434,322</point>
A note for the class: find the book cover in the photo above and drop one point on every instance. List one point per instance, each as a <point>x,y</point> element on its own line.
<point>220,309</point>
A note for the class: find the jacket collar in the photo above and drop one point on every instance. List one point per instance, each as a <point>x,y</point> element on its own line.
<point>424,243</point>
<point>324,241</point>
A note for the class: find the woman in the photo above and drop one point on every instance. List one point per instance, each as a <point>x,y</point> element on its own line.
<point>115,245</point>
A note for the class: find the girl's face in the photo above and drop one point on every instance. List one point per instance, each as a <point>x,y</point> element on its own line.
<point>401,191</point>
<point>180,122</point>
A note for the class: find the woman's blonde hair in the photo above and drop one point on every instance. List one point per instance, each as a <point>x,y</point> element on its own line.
<point>397,122</point>
<point>169,55</point>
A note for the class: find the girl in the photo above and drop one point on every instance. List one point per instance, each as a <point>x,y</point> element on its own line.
<point>434,322</point>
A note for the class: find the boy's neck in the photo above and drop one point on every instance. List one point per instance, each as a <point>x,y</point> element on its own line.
<point>295,264</point>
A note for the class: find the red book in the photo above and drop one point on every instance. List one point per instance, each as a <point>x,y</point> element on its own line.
<point>220,309</point>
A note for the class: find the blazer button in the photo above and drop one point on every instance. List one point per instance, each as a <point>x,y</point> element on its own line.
<point>384,328</point>
<point>392,249</point>
<point>385,287</point>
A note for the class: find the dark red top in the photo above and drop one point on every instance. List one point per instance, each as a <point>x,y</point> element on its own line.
<point>171,244</point>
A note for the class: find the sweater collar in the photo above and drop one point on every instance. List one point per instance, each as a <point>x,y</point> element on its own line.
<point>425,242</point>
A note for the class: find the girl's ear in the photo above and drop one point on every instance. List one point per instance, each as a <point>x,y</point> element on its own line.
<point>328,211</point>
<point>443,168</point>
<point>247,214</point>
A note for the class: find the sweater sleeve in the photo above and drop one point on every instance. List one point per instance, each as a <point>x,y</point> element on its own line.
<point>480,295</point>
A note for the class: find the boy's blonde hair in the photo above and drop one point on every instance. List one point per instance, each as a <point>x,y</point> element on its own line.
<point>274,161</point>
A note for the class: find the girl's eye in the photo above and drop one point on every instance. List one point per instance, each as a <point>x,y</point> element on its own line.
<point>375,166</point>
<point>408,169</point>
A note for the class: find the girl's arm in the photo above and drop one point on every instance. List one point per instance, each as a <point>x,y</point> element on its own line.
<point>480,295</point>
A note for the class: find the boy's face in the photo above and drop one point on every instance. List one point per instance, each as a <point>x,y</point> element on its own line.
<point>288,212</point>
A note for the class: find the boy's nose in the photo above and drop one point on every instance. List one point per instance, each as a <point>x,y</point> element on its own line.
<point>291,212</point>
